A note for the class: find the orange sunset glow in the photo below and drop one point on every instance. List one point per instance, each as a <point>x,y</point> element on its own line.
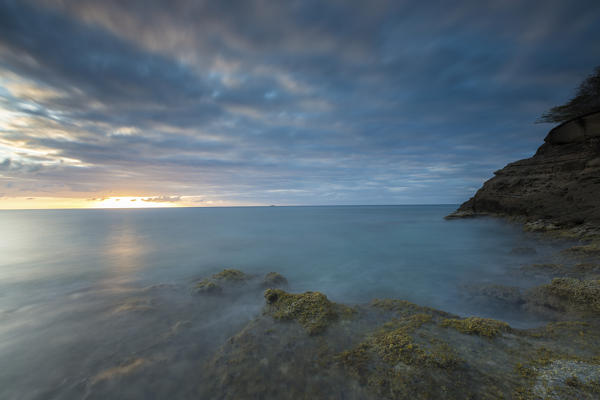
<point>37,203</point>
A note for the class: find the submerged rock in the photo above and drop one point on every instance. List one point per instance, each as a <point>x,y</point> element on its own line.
<point>214,284</point>
<point>507,294</point>
<point>547,268</point>
<point>394,349</point>
<point>274,280</point>
<point>208,286</point>
<point>568,295</point>
<point>523,251</point>
<point>591,249</point>
<point>231,275</point>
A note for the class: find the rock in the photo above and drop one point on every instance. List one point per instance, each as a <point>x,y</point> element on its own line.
<point>312,310</point>
<point>586,268</point>
<point>274,280</point>
<point>461,214</point>
<point>547,269</point>
<point>557,188</point>
<point>208,286</point>
<point>567,295</point>
<point>231,275</point>
<point>576,130</point>
<point>485,327</point>
<point>507,294</point>
<point>215,284</point>
<point>394,349</point>
<point>540,225</point>
<point>523,251</point>
<point>562,379</point>
<point>592,249</point>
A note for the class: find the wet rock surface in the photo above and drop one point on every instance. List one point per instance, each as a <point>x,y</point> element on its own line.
<point>312,310</point>
<point>305,346</point>
<point>226,278</point>
<point>274,280</point>
<point>394,349</point>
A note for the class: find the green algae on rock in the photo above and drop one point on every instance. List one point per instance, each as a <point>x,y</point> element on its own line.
<point>554,375</point>
<point>567,294</point>
<point>208,286</point>
<point>274,280</point>
<point>214,284</point>
<point>393,358</point>
<point>404,307</point>
<point>486,327</point>
<point>590,249</point>
<point>394,349</point>
<point>394,344</point>
<point>312,310</point>
<point>231,275</point>
<point>506,294</point>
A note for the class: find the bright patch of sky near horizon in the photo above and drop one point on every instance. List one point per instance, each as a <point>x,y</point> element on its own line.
<point>263,102</point>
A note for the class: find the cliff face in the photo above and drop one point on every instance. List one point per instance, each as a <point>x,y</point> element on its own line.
<point>559,187</point>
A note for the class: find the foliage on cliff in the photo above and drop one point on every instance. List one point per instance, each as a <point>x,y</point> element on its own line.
<point>586,100</point>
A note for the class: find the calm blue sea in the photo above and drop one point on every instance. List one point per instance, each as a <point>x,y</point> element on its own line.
<point>68,277</point>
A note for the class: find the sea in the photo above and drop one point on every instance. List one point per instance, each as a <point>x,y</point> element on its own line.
<point>88,295</point>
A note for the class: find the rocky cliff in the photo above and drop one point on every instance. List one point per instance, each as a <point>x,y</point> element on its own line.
<point>557,188</point>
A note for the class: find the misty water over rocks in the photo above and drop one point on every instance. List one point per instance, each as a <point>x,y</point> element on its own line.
<point>86,296</point>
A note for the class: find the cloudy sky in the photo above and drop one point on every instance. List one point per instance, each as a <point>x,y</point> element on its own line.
<point>256,102</point>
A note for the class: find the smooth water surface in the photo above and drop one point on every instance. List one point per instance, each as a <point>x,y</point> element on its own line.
<point>86,294</point>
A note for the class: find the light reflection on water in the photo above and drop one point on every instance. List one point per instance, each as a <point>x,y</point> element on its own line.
<point>124,248</point>
<point>86,294</point>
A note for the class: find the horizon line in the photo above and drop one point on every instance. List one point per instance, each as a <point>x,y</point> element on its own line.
<point>235,206</point>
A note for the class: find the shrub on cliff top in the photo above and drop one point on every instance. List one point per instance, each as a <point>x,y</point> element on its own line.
<point>586,100</point>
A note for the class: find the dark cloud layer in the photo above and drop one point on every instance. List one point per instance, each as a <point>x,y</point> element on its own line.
<point>296,102</point>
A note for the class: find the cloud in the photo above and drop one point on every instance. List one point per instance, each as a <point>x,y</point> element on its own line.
<point>265,101</point>
<point>163,199</point>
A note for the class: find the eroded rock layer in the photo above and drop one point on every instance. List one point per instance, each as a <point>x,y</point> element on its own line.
<point>559,187</point>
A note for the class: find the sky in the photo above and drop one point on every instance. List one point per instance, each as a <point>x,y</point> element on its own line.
<point>221,103</point>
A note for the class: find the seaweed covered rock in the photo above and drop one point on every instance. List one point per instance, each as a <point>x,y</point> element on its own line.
<point>208,286</point>
<point>486,327</point>
<point>506,294</point>
<point>568,294</point>
<point>396,362</point>
<point>312,310</point>
<point>214,284</point>
<point>553,375</point>
<point>394,349</point>
<point>274,280</point>
<point>405,308</point>
<point>523,251</point>
<point>585,250</point>
<point>275,361</point>
<point>230,275</point>
<point>567,378</point>
<point>395,344</point>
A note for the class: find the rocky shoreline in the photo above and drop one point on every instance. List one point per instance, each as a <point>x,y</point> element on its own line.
<point>557,190</point>
<point>305,346</point>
